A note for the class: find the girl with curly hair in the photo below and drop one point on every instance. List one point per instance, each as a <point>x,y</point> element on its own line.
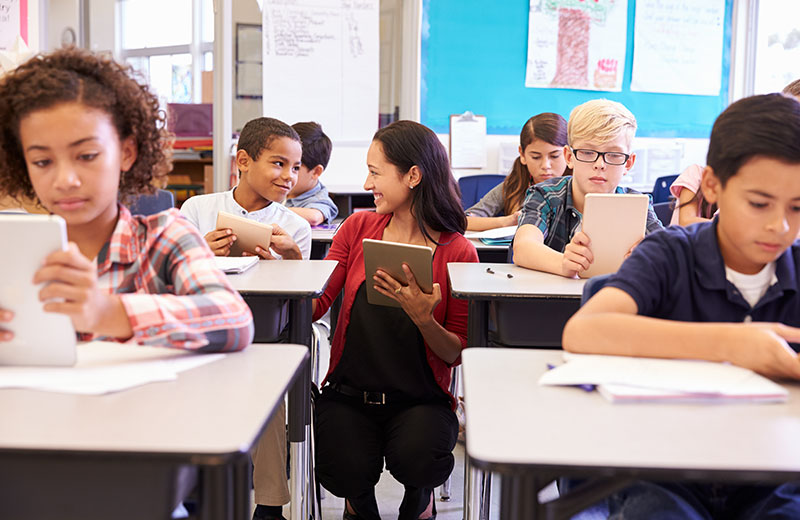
<point>78,134</point>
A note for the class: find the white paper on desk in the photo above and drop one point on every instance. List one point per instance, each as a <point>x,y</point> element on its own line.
<point>496,233</point>
<point>235,264</point>
<point>105,367</point>
<point>689,378</point>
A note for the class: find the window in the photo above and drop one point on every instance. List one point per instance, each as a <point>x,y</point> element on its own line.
<point>777,59</point>
<point>170,50</point>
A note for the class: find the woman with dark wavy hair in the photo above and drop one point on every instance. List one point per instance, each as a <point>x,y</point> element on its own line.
<point>387,395</point>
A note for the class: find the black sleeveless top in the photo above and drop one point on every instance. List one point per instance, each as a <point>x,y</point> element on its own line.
<point>384,352</point>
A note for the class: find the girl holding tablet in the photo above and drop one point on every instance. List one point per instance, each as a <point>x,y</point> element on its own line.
<point>78,135</point>
<point>387,393</point>
<point>541,157</point>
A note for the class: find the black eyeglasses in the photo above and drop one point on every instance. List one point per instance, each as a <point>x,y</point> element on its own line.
<point>610,158</point>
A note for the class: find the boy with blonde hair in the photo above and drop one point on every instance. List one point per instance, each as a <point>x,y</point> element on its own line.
<point>599,136</point>
<point>724,290</point>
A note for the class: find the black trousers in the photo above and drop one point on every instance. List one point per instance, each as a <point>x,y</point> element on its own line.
<point>354,439</point>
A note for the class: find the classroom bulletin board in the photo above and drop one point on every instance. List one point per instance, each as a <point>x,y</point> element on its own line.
<point>474,55</point>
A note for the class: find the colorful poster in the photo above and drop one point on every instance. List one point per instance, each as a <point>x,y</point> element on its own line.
<point>668,35</point>
<point>577,44</point>
<point>13,22</point>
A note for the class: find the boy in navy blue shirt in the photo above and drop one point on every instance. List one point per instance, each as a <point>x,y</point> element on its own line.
<point>724,290</point>
<point>309,197</point>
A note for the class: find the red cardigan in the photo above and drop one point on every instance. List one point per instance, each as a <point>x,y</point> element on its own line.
<point>347,250</point>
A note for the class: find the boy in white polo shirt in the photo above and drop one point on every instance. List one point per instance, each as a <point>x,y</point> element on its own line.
<point>268,159</point>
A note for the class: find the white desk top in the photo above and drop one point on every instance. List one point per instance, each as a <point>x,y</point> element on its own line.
<point>207,414</point>
<point>512,420</point>
<point>472,281</point>
<point>287,278</point>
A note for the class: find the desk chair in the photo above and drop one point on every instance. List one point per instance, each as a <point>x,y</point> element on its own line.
<point>663,212</point>
<point>146,204</point>
<point>474,187</point>
<point>661,188</point>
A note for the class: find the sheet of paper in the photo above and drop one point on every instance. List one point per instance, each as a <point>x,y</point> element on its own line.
<point>105,367</point>
<point>467,141</point>
<point>577,44</point>
<point>502,232</point>
<point>336,41</point>
<point>687,376</point>
<point>668,35</point>
<point>235,264</point>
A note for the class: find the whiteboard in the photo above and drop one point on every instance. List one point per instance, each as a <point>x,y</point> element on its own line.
<point>320,63</point>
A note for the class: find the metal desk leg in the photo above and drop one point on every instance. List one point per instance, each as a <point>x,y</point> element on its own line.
<point>216,486</point>
<point>475,480</point>
<point>299,407</point>
<point>242,484</point>
<point>519,499</point>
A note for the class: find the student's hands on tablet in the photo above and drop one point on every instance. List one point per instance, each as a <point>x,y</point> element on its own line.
<point>220,241</point>
<point>577,255</point>
<point>418,305</point>
<point>283,244</point>
<point>71,288</point>
<point>764,348</point>
<point>5,317</point>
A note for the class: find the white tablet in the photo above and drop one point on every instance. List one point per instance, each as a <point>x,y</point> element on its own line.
<point>390,257</point>
<point>613,222</point>
<point>249,233</point>
<point>40,338</point>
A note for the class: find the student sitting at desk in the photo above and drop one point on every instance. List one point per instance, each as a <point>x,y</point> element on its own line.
<point>79,135</point>
<point>725,290</point>
<point>387,394</point>
<point>549,237</point>
<point>690,206</point>
<point>541,157</point>
<point>309,197</point>
<point>268,159</point>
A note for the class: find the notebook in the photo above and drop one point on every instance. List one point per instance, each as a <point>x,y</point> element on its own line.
<point>494,237</point>
<point>632,379</point>
<point>235,264</point>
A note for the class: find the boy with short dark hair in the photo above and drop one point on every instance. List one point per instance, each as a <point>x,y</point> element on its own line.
<point>599,136</point>
<point>309,197</point>
<point>724,290</point>
<point>268,159</point>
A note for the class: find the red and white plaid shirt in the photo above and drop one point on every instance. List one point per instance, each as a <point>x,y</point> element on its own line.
<point>173,293</point>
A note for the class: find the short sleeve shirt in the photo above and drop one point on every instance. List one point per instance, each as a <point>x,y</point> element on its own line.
<point>679,274</point>
<point>316,198</point>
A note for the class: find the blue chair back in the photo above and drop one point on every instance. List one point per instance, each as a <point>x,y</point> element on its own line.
<point>663,212</point>
<point>146,204</point>
<point>474,187</point>
<point>661,188</point>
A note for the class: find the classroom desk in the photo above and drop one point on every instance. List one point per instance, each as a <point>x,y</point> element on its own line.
<point>540,303</point>
<point>531,435</point>
<point>298,281</point>
<point>117,455</point>
<point>495,254</point>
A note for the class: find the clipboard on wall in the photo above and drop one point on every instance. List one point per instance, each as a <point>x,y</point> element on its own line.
<point>467,140</point>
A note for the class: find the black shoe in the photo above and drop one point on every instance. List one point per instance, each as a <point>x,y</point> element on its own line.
<point>268,513</point>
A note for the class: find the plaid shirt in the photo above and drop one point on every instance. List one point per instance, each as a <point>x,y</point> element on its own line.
<point>548,206</point>
<point>170,287</point>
